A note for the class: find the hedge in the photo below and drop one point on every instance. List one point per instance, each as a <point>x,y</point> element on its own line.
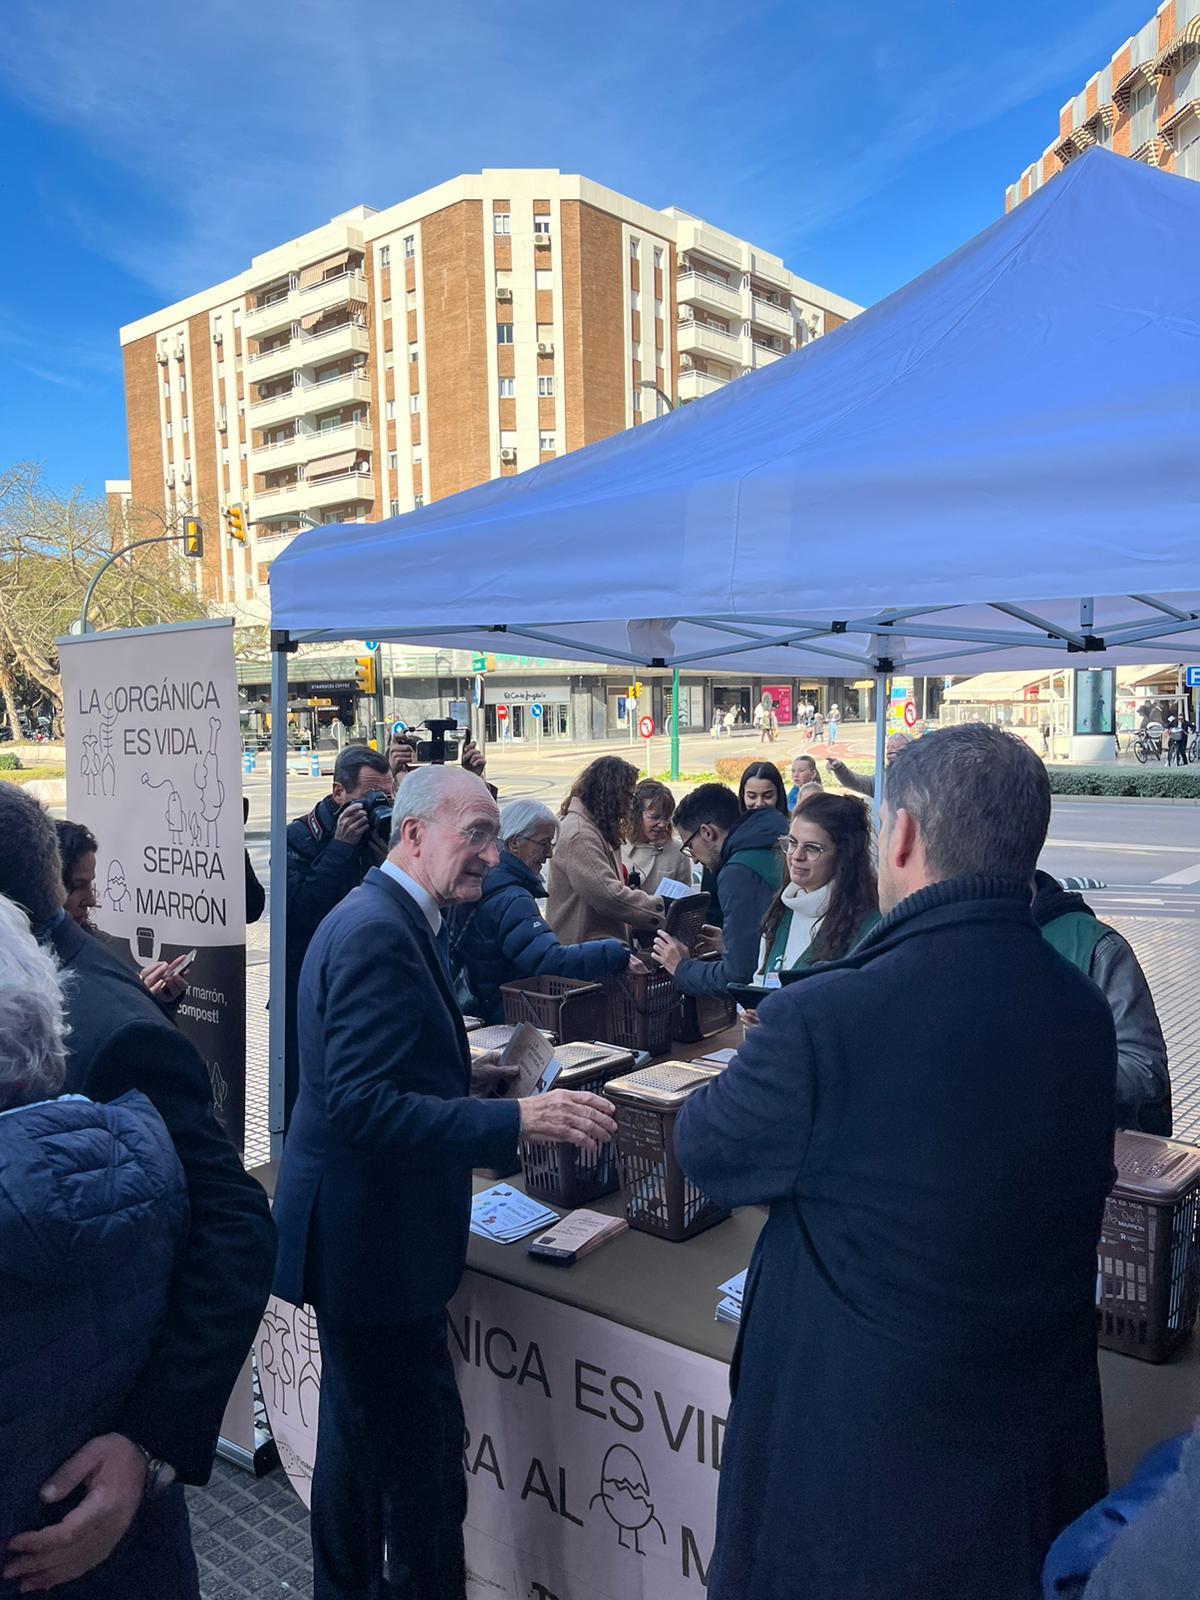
<point>1155,783</point>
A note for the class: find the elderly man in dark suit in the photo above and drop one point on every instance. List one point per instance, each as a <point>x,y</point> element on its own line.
<point>374,1192</point>
<point>916,1406</point>
<point>120,1040</point>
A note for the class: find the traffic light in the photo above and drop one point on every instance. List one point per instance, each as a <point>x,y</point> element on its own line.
<point>364,674</point>
<point>193,538</point>
<point>235,523</point>
<point>635,691</point>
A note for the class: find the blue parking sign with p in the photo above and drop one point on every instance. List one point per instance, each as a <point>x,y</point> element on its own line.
<point>1193,677</point>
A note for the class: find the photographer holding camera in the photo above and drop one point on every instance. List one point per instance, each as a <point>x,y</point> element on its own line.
<point>330,852</point>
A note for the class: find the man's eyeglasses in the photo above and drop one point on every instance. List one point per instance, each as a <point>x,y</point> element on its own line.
<point>810,851</point>
<point>686,846</point>
<point>479,839</point>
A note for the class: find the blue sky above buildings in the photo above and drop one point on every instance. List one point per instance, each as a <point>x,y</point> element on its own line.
<point>152,150</point>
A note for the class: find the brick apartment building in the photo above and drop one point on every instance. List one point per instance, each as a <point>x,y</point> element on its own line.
<point>393,357</point>
<point>1145,103</point>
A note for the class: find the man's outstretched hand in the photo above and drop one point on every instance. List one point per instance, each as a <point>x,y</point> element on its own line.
<point>568,1116</point>
<point>112,1471</point>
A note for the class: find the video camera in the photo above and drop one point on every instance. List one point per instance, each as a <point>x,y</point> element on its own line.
<point>438,749</point>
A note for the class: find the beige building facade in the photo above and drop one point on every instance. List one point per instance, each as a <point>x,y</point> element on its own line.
<point>1143,103</point>
<point>393,357</point>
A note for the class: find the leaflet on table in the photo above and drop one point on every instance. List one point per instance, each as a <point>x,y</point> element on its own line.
<point>578,1234</point>
<point>504,1214</point>
<point>669,889</point>
<point>719,1058</point>
<point>729,1307</point>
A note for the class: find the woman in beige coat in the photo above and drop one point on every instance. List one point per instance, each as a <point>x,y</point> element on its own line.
<point>589,898</point>
<point>652,852</point>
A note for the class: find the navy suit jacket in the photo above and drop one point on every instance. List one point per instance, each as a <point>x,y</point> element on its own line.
<point>373,1200</point>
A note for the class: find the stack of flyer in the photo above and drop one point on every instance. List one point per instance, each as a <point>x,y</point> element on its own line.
<point>504,1214</point>
<point>729,1307</point>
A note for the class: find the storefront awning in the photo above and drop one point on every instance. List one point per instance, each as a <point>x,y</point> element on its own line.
<point>991,686</point>
<point>329,466</point>
<point>323,269</point>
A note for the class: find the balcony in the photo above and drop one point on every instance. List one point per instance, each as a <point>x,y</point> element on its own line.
<point>341,390</point>
<point>698,337</point>
<point>697,288</point>
<point>272,363</point>
<point>314,347</point>
<point>762,355</point>
<point>279,408</point>
<point>287,453</point>
<point>694,384</point>
<point>284,502</point>
<point>346,486</point>
<point>768,315</point>
<point>264,319</point>
<point>330,292</point>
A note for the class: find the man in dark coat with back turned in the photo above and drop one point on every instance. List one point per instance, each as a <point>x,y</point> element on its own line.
<point>916,1406</point>
<point>120,1040</point>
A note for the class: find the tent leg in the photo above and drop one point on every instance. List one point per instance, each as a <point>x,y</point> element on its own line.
<point>277,1014</point>
<point>882,687</point>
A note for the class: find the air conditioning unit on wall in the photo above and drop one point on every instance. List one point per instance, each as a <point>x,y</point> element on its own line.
<point>545,349</point>
<point>504,295</point>
<point>508,456</point>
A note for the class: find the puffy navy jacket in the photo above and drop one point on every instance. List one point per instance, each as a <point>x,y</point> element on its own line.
<point>92,1207</point>
<point>505,936</point>
<point>749,876</point>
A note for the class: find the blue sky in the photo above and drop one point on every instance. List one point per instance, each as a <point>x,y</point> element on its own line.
<point>151,150</point>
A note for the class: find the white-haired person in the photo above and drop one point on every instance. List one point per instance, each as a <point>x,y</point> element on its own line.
<point>92,1209</point>
<point>505,936</point>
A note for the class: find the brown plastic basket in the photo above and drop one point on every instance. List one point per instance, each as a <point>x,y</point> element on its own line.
<point>569,1008</point>
<point>641,1010</point>
<point>1148,1278</point>
<point>659,1197</point>
<point>561,1174</point>
<point>702,1015</point>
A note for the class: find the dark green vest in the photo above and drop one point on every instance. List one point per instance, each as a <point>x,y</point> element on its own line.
<point>1075,936</point>
<point>779,943</point>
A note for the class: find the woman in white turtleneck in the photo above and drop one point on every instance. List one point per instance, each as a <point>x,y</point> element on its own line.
<point>829,898</point>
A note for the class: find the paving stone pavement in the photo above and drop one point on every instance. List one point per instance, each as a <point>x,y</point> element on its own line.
<point>251,1537</point>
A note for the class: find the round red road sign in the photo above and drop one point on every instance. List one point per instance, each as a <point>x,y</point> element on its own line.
<point>646,727</point>
<point>910,714</point>
<point>501,713</point>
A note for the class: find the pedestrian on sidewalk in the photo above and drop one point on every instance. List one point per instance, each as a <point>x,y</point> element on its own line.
<point>835,722</point>
<point>817,727</point>
<point>919,1334</point>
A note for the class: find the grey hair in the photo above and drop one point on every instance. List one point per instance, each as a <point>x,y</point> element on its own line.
<point>518,816</point>
<point>426,791</point>
<point>980,797</point>
<point>33,1057</point>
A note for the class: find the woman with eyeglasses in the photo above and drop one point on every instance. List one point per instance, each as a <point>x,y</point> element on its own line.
<point>504,936</point>
<point>829,898</point>
<point>589,898</point>
<point>652,852</point>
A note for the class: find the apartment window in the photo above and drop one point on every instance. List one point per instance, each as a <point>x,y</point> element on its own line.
<point>393,508</point>
<point>166,388</point>
<point>393,460</point>
<point>634,246</point>
<point>185,422</point>
<point>410,300</point>
<point>635,300</point>
<point>508,388</point>
<point>637,399</point>
<point>418,456</point>
<point>410,246</point>
<point>547,442</point>
<point>414,402</point>
<point>183,383</point>
<point>390,413</point>
<point>224,458</point>
<point>504,333</point>
<point>1188,161</point>
<point>501,221</point>
<point>546,387</point>
<point>543,278</point>
<point>414,354</point>
<point>170,431</point>
<point>418,501</point>
<point>658,258</point>
<point>1142,119</point>
<point>385,255</point>
<point>541,224</point>
<point>658,309</point>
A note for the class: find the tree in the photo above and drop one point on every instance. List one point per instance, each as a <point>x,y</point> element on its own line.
<point>50,547</point>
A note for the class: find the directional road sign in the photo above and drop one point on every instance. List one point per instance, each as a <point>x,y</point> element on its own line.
<point>536,712</point>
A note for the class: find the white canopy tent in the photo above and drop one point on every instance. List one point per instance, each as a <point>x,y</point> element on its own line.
<point>994,468</point>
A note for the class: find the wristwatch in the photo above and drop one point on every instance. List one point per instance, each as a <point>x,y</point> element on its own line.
<point>159,1474</point>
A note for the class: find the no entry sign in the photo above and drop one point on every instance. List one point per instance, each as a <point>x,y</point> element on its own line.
<point>501,713</point>
<point>646,727</point>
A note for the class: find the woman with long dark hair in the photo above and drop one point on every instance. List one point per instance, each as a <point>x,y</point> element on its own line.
<point>762,788</point>
<point>589,898</point>
<point>829,898</point>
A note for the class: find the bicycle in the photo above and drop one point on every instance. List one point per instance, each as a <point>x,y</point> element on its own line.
<point>1147,742</point>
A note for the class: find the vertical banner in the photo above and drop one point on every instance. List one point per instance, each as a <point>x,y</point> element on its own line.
<point>154,770</point>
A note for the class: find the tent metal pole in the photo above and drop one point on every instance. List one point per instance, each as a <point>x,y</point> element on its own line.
<point>883,685</point>
<point>675,725</point>
<point>277,1013</point>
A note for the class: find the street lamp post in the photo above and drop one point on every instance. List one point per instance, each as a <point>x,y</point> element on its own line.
<point>648,383</point>
<point>81,626</point>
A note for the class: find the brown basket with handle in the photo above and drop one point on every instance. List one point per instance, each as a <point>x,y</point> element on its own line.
<point>569,1008</point>
<point>659,1196</point>
<point>561,1174</point>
